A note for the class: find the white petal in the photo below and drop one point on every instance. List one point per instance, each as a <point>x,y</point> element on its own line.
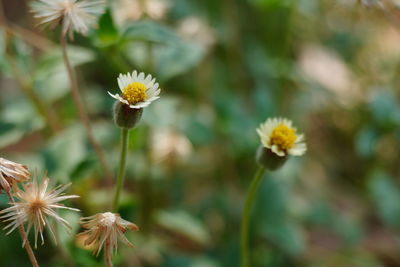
<point>300,138</point>
<point>276,150</point>
<point>141,77</point>
<point>134,75</point>
<point>116,96</point>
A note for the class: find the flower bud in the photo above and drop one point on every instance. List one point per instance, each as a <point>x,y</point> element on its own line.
<point>126,117</point>
<point>270,160</point>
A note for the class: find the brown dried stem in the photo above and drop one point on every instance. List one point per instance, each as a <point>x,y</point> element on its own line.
<point>24,237</point>
<point>81,110</point>
<point>107,254</point>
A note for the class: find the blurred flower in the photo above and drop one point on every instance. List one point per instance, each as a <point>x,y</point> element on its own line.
<point>74,15</point>
<point>167,143</point>
<point>135,9</point>
<point>106,228</point>
<point>327,69</point>
<point>12,173</point>
<point>280,137</point>
<point>137,91</point>
<point>370,3</point>
<point>197,30</point>
<point>35,205</point>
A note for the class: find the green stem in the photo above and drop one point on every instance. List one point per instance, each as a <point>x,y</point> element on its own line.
<point>244,229</point>
<point>121,170</point>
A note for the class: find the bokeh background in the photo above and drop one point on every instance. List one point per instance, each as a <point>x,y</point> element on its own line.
<point>332,66</point>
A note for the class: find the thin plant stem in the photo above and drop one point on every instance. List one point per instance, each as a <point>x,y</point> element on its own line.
<point>121,169</point>
<point>244,229</point>
<point>81,110</point>
<point>25,240</point>
<point>107,254</point>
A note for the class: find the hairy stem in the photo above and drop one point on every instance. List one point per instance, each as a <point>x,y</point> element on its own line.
<point>244,229</point>
<point>107,254</point>
<point>121,169</point>
<point>81,110</point>
<point>24,237</point>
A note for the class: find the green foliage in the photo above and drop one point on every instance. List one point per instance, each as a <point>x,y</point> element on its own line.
<point>171,55</point>
<point>386,196</point>
<point>224,67</point>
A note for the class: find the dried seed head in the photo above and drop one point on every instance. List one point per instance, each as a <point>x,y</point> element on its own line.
<point>74,15</point>
<point>35,206</point>
<point>106,228</point>
<point>12,173</point>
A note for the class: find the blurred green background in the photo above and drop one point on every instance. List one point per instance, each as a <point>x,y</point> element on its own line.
<point>332,66</point>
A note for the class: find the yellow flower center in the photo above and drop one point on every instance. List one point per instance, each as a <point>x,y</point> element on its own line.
<point>134,93</point>
<point>284,137</point>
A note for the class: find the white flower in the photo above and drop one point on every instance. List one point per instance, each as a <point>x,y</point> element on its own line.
<point>35,205</point>
<point>126,10</point>
<point>12,173</point>
<point>104,229</point>
<point>137,91</point>
<point>74,15</point>
<point>197,30</point>
<point>169,144</point>
<point>281,137</point>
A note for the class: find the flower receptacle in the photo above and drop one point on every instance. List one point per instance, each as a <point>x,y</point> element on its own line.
<point>126,117</point>
<point>271,161</point>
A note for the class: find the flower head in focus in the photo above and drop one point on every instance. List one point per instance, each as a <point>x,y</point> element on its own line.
<point>74,15</point>
<point>281,137</point>
<point>104,230</point>
<point>138,90</point>
<point>35,206</point>
<point>12,173</point>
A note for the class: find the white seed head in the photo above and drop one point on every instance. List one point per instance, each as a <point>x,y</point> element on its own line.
<point>74,15</point>
<point>35,205</point>
<point>104,230</point>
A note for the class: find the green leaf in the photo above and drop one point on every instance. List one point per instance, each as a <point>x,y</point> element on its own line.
<point>50,76</point>
<point>177,58</point>
<point>150,31</point>
<point>172,55</point>
<point>287,236</point>
<point>9,134</point>
<point>18,119</point>
<point>384,108</point>
<point>272,3</point>
<point>107,34</point>
<point>386,196</point>
<point>65,153</point>
<point>272,217</point>
<point>183,223</point>
<point>366,141</point>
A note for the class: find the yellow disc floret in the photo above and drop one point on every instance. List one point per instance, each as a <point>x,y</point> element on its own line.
<point>134,93</point>
<point>284,137</point>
